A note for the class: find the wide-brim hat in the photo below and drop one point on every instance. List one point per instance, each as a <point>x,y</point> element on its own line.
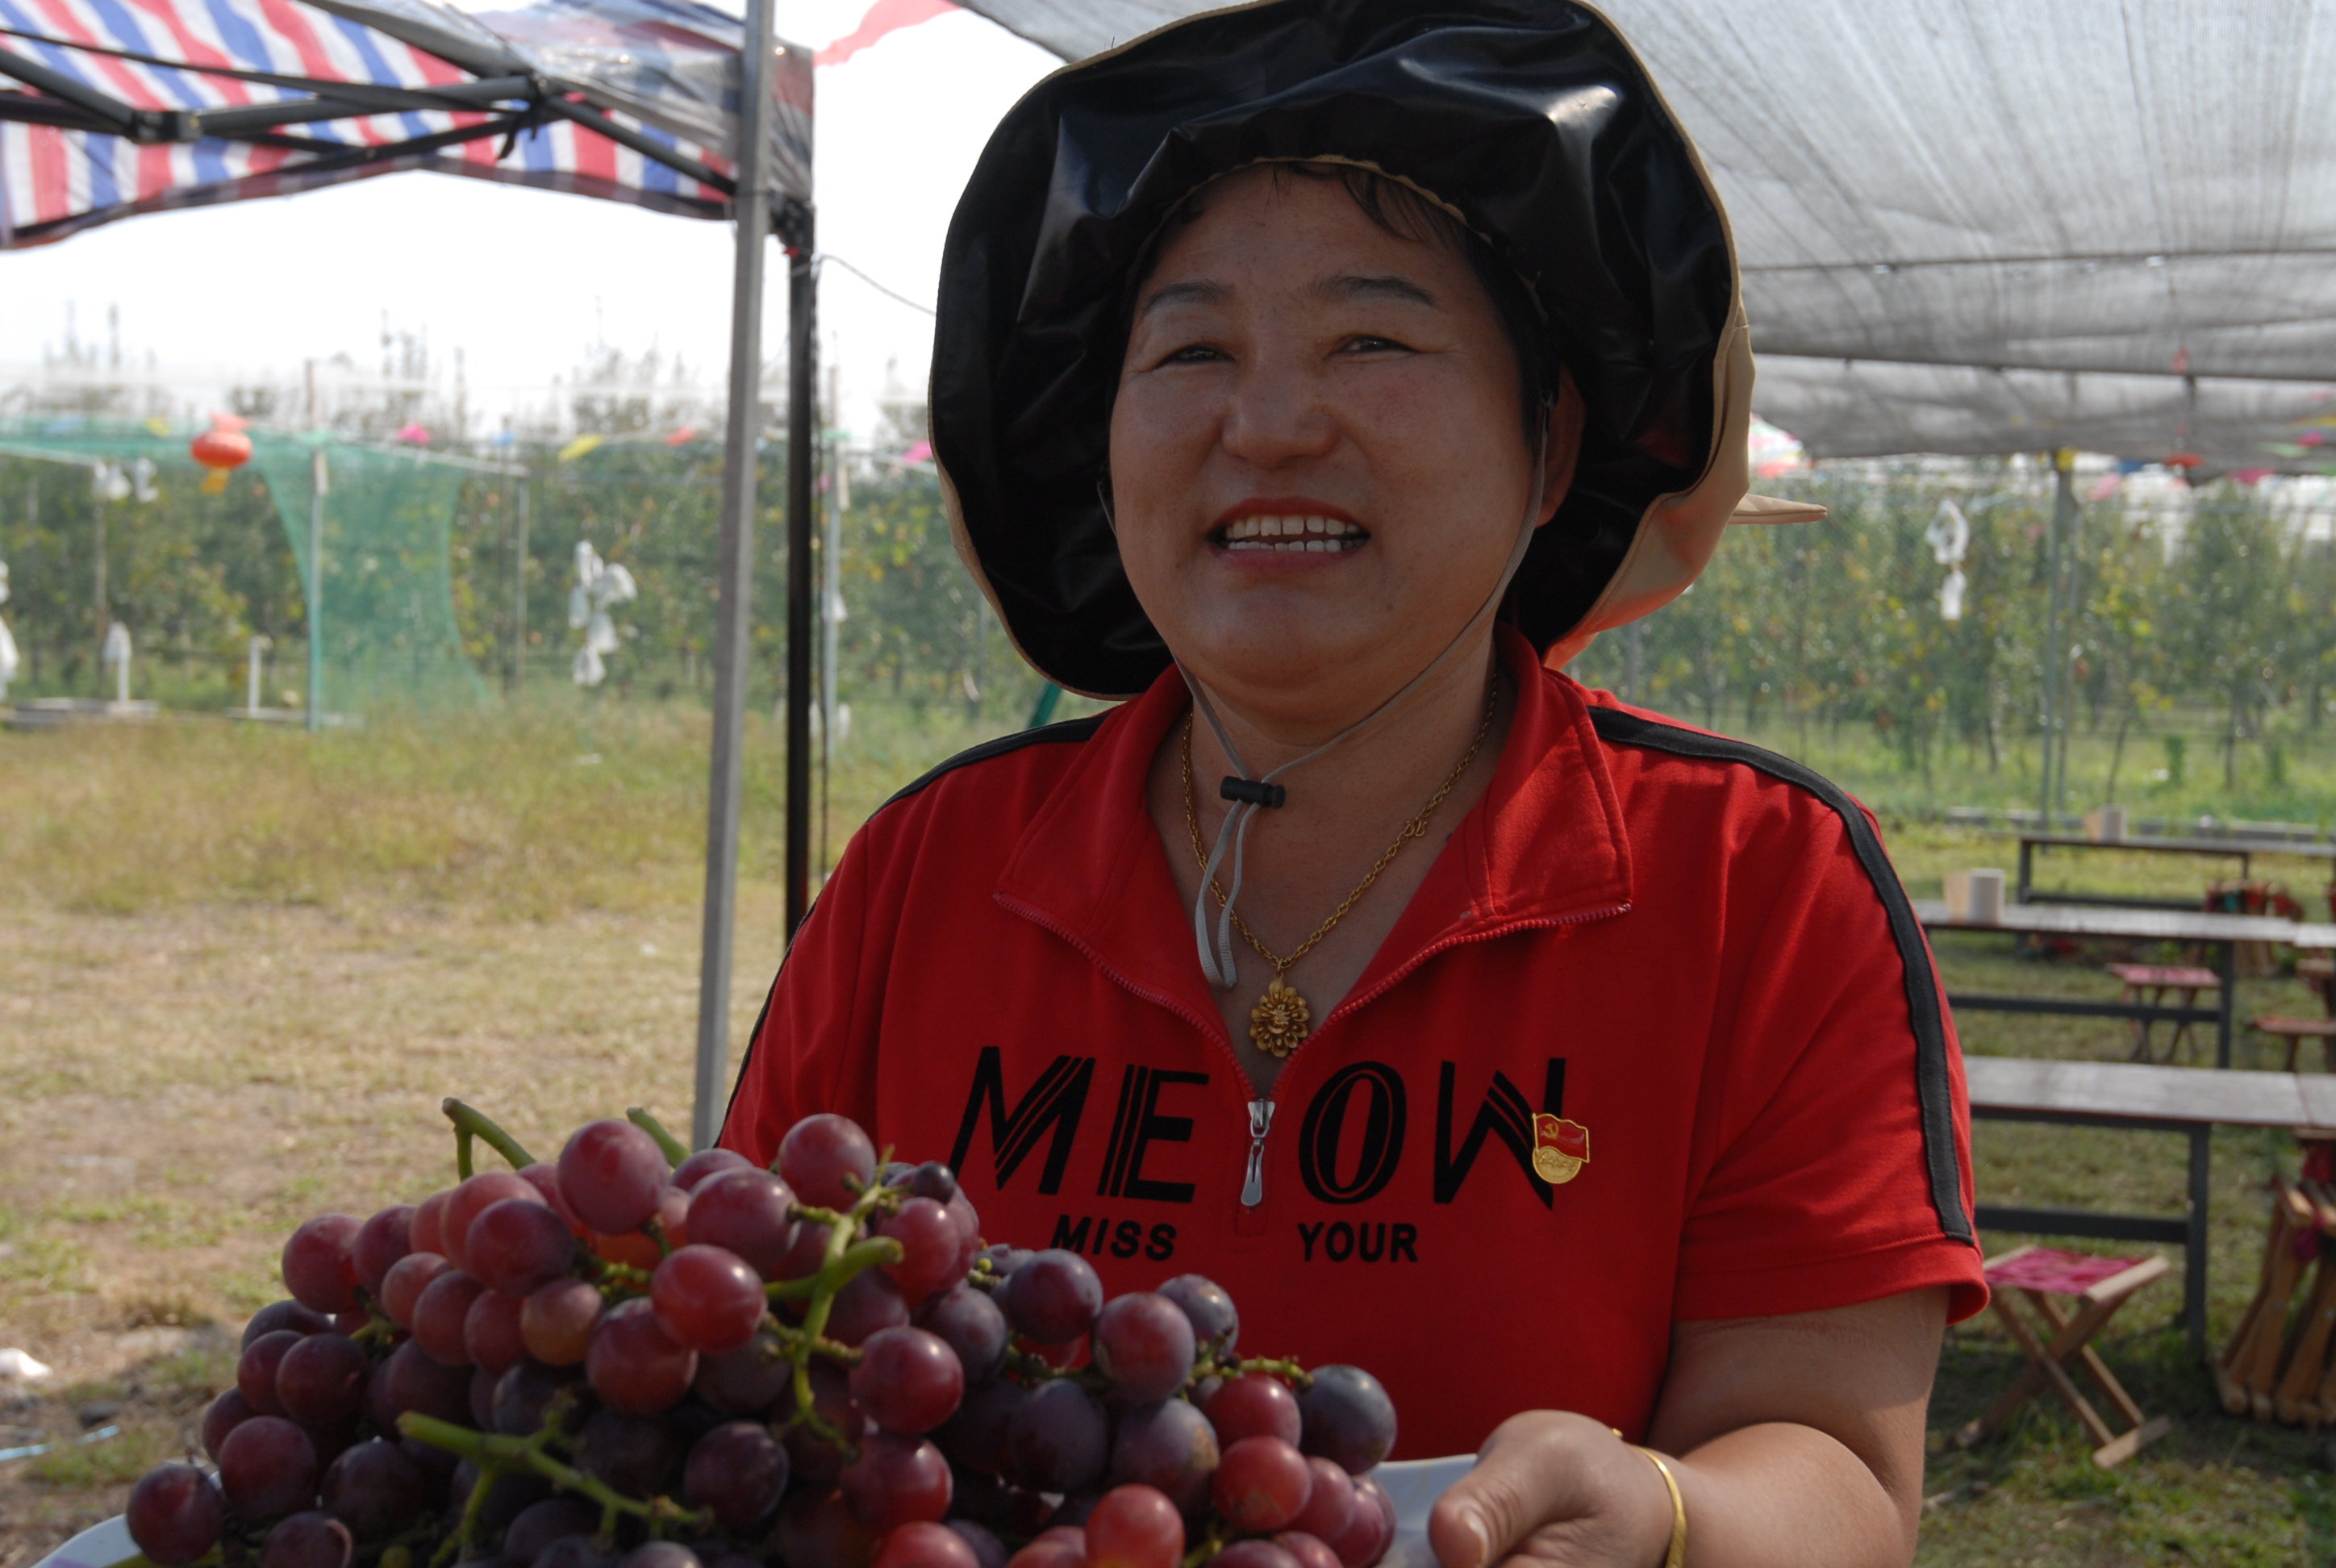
<point>1530,120</point>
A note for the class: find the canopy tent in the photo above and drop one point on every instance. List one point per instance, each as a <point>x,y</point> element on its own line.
<point>131,106</point>
<point>2004,226</point>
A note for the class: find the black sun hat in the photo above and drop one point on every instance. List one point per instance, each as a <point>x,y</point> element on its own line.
<point>1530,122</point>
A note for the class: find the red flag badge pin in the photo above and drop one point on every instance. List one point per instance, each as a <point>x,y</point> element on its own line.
<point>1560,1148</point>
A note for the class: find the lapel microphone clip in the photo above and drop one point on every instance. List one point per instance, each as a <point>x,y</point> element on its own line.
<point>1249,791</point>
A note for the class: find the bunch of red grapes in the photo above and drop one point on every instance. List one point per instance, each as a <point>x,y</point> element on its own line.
<point>642,1357</point>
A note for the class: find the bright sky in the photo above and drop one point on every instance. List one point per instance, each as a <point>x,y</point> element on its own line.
<point>522,281</point>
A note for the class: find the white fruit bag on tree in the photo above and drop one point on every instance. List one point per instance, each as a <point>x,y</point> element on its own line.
<point>598,585</point>
<point>9,663</point>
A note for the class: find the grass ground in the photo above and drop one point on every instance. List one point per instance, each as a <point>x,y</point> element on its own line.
<point>237,969</point>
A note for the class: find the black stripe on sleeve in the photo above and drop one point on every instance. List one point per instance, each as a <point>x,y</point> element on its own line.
<point>1925,1010</point>
<point>1071,730</point>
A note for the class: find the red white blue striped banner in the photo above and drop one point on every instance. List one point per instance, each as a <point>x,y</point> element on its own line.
<point>55,180</point>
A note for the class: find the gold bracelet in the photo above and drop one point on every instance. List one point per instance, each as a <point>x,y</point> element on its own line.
<point>1676,1556</point>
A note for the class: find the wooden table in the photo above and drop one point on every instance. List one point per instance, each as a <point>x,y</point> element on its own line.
<point>2222,933</point>
<point>2143,1098</point>
<point>2241,850</point>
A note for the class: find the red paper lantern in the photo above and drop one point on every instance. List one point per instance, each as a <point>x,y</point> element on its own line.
<point>221,449</point>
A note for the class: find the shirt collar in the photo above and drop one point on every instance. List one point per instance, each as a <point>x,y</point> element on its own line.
<point>1546,846</point>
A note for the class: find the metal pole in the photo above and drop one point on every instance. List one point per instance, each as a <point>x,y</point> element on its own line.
<point>831,599</point>
<point>802,299</point>
<point>2226,970</point>
<point>2195,1254</point>
<point>320,479</point>
<point>519,586</point>
<point>2064,501</point>
<point>733,613</point>
<point>2072,528</point>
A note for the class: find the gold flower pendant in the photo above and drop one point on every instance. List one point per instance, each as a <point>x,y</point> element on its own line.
<point>1280,1020</point>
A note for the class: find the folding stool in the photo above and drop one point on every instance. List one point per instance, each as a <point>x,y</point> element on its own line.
<point>2099,1287</point>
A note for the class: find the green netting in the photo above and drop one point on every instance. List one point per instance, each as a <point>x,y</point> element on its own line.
<point>386,618</point>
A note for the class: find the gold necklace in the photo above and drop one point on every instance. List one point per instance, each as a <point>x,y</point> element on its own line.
<point>1280,1019</point>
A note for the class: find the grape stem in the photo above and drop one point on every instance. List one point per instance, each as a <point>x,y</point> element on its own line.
<point>812,1214</point>
<point>676,1151</point>
<point>378,1329</point>
<point>1033,1367</point>
<point>839,1270</point>
<point>1284,1367</point>
<point>1214,1543</point>
<point>469,1123</point>
<point>845,1260</point>
<point>457,1544</point>
<point>493,1452</point>
<point>614,1278</point>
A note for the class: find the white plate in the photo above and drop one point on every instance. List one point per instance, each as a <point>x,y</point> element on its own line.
<point>1412,1484</point>
<point>99,1547</point>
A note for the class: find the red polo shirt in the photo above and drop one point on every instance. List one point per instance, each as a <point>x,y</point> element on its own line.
<point>1676,955</point>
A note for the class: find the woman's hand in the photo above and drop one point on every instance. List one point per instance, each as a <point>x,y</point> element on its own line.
<point>1800,1444</point>
<point>1557,1489</point>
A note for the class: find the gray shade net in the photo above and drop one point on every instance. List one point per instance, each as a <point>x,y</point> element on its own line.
<point>2000,225</point>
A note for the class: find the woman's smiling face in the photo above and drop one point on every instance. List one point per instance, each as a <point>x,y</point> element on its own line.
<point>1319,456</point>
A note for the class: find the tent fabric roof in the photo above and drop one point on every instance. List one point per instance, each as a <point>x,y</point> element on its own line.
<point>1999,226</point>
<point>130,106</point>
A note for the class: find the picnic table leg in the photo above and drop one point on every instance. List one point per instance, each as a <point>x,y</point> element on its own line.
<point>2226,966</point>
<point>2027,850</point>
<point>2194,1262</point>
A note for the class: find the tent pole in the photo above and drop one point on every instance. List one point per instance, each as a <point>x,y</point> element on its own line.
<point>319,480</point>
<point>803,306</point>
<point>518,582</point>
<point>2056,745</point>
<point>734,608</point>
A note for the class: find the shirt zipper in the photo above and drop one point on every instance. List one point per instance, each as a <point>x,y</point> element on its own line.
<point>1260,1122</point>
<point>1261,1109</point>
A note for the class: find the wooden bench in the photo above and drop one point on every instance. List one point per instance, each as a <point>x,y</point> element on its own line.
<point>2157,979</point>
<point>2295,1031</point>
<point>2143,1097</point>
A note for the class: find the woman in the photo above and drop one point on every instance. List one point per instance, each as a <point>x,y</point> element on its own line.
<point>1322,375</point>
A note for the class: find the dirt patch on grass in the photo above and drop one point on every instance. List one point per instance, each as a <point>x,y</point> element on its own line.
<point>181,1089</point>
